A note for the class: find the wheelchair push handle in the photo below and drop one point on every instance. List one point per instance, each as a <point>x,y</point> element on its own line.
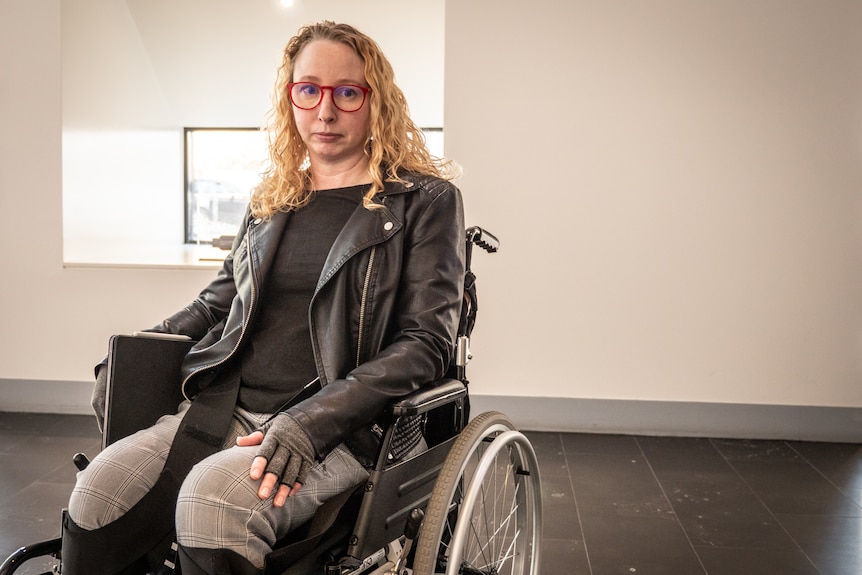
<point>483,238</point>
<point>81,461</point>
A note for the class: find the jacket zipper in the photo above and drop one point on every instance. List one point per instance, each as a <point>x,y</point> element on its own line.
<point>251,303</point>
<point>363,303</point>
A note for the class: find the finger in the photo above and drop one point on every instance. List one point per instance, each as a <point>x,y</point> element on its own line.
<point>303,471</point>
<point>267,485</point>
<point>281,495</point>
<point>291,471</point>
<point>295,489</point>
<point>278,462</point>
<point>254,438</point>
<point>284,492</point>
<point>258,466</point>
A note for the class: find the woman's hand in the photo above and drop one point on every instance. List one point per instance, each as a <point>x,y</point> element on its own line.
<point>283,460</point>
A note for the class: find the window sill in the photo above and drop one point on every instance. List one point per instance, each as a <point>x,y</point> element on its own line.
<point>104,254</point>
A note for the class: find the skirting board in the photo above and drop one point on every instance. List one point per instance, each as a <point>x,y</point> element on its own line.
<point>677,418</point>
<point>45,396</point>
<point>627,417</point>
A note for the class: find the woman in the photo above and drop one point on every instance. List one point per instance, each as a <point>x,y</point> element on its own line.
<point>348,272</point>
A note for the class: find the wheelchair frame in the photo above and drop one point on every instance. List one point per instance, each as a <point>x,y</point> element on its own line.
<point>470,504</point>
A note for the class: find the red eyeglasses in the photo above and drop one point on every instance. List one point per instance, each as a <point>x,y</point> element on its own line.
<point>308,95</point>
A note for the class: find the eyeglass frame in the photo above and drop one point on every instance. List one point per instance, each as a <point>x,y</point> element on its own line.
<point>365,91</point>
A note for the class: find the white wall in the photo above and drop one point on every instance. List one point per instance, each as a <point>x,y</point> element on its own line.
<point>135,73</point>
<point>166,63</point>
<point>57,320</point>
<point>677,191</point>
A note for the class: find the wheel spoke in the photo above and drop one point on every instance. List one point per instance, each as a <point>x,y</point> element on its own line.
<point>495,558</point>
<point>484,517</point>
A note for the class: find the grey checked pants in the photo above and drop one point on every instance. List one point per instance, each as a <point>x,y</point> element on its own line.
<point>218,506</point>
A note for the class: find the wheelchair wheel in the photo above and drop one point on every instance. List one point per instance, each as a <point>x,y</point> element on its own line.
<point>484,516</point>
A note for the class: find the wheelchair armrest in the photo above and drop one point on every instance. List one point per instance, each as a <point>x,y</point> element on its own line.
<point>443,392</point>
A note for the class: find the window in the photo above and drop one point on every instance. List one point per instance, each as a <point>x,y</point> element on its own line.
<point>222,167</point>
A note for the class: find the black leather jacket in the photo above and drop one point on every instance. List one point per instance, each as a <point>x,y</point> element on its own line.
<point>383,316</point>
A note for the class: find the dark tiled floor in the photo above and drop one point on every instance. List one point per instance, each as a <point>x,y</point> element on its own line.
<point>617,505</point>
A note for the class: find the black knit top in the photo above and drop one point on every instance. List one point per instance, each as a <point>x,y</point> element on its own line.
<point>277,360</point>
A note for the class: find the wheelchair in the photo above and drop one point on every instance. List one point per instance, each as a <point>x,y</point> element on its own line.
<point>470,504</point>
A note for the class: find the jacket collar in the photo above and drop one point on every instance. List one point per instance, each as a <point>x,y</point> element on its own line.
<point>411,183</point>
<point>365,228</point>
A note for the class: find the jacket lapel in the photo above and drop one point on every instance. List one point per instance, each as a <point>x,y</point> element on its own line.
<point>264,238</point>
<point>363,229</point>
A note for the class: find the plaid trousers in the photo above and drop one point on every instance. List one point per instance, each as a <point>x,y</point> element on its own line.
<point>218,506</point>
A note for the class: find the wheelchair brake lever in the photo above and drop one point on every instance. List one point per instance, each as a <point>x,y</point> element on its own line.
<point>411,531</point>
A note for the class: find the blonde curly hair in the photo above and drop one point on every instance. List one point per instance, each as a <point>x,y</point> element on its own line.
<point>396,145</point>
